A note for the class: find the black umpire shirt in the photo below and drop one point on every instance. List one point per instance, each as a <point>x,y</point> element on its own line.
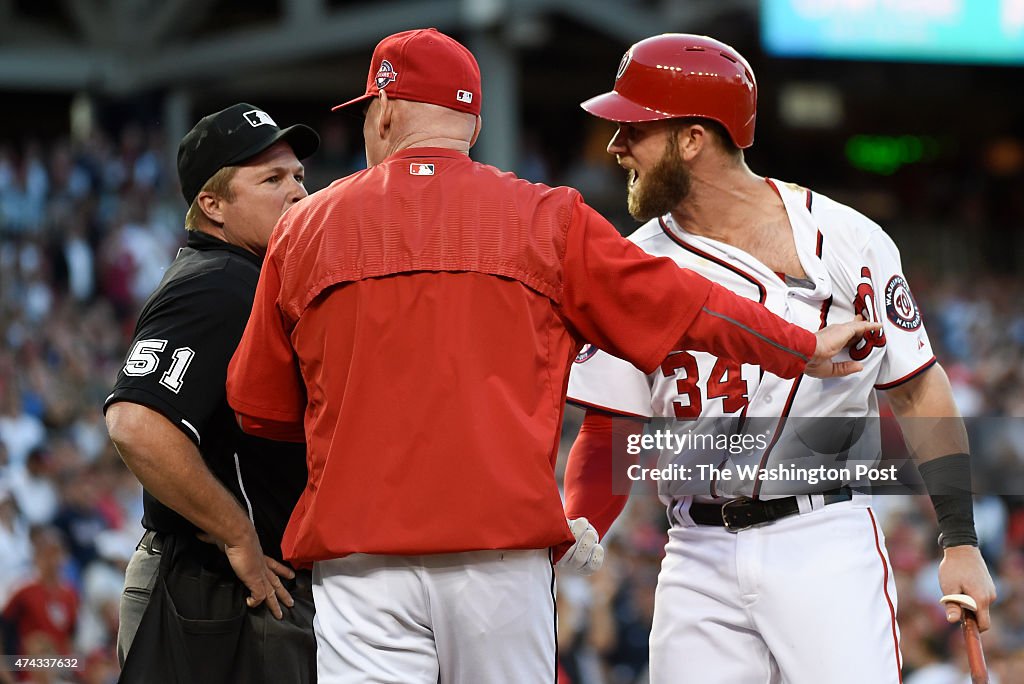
<point>177,365</point>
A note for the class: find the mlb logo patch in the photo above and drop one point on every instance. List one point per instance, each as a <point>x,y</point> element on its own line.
<point>257,117</point>
<point>421,169</point>
<point>464,96</point>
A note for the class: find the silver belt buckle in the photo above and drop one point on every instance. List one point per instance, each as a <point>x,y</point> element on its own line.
<point>725,518</point>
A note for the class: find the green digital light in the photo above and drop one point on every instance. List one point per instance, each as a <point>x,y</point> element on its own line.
<point>885,154</point>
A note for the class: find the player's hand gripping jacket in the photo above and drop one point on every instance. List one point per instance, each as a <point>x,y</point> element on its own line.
<point>585,556</point>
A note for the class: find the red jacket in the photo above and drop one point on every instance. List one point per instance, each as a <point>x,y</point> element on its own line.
<point>415,323</point>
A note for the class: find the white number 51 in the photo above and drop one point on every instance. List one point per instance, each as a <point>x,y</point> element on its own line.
<point>144,359</point>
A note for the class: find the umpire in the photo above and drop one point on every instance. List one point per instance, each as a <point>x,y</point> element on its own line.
<point>215,499</point>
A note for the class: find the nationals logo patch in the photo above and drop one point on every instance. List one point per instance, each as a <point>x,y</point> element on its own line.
<point>900,306</point>
<point>588,351</point>
<point>386,74</point>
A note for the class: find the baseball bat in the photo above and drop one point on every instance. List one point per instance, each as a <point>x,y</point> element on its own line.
<point>972,636</point>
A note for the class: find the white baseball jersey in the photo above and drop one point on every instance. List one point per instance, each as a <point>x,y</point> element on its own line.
<point>852,267</point>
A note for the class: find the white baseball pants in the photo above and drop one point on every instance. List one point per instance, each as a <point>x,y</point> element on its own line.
<point>481,617</point>
<point>807,599</point>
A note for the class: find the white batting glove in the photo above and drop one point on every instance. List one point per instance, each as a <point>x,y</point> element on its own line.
<point>586,555</point>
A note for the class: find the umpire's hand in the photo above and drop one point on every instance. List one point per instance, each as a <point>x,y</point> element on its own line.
<point>261,574</point>
<point>586,555</point>
<point>833,339</point>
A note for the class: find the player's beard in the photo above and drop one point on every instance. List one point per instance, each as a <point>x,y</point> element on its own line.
<point>662,188</point>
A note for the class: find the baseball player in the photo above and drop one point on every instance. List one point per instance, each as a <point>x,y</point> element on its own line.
<point>415,323</point>
<point>763,581</point>
<point>169,419</point>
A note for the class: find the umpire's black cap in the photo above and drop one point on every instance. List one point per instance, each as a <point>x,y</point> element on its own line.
<point>231,136</point>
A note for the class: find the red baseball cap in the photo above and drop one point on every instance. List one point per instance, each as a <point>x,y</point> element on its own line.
<point>424,65</point>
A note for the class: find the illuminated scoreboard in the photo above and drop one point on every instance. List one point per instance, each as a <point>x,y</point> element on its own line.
<point>960,31</point>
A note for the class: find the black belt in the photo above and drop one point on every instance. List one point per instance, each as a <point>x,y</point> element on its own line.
<point>152,542</point>
<point>739,514</point>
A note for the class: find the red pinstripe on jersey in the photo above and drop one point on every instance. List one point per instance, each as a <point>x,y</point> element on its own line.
<point>761,289</point>
<point>779,427</point>
<point>826,306</point>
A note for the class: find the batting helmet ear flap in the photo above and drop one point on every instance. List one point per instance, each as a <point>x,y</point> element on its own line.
<point>678,75</point>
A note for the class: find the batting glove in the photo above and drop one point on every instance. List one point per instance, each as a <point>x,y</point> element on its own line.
<point>586,555</point>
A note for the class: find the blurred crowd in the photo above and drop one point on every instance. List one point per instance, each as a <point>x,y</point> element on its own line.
<point>86,230</point>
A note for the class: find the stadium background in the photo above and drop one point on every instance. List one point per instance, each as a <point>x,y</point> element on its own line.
<point>95,96</point>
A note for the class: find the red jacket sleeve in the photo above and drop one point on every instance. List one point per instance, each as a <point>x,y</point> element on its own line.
<point>264,386</point>
<point>622,300</point>
<point>286,431</point>
<point>736,328</point>
<point>639,307</point>
<point>596,486</point>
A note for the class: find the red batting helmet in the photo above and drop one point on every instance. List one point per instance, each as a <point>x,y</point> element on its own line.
<point>679,74</point>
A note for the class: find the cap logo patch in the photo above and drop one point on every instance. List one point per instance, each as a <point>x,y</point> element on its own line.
<point>464,96</point>
<point>626,59</point>
<point>900,306</point>
<point>421,169</point>
<point>258,117</point>
<point>386,74</point>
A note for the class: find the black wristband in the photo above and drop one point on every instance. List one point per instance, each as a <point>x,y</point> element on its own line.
<point>948,481</point>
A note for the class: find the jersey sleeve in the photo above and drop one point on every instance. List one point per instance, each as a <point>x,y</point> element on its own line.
<point>601,381</point>
<point>265,387</point>
<point>177,362</point>
<point>908,352</point>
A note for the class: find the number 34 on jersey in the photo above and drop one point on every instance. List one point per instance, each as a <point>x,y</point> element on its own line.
<point>715,384</point>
